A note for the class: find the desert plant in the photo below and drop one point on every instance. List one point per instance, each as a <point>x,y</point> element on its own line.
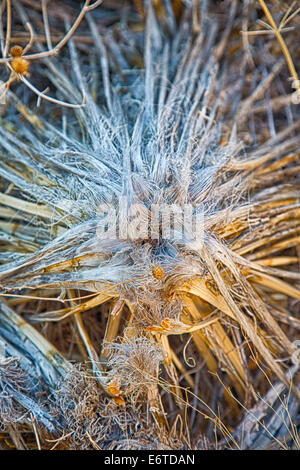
<point>157,136</point>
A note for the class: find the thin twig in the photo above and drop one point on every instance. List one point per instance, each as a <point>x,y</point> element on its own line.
<point>46,24</point>
<point>60,44</point>
<point>8,28</point>
<point>31,39</point>
<point>53,100</point>
<point>35,432</point>
<point>283,46</point>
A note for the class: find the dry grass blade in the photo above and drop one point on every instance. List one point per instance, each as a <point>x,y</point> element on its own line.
<point>50,355</point>
<point>112,326</point>
<point>283,45</point>
<point>199,288</point>
<point>221,340</point>
<point>58,315</point>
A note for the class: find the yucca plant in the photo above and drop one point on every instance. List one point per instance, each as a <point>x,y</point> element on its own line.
<point>161,128</point>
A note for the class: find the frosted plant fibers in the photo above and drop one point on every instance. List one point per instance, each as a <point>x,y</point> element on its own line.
<point>157,137</point>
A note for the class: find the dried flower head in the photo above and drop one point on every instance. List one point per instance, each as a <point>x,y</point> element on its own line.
<point>13,381</point>
<point>135,362</point>
<point>158,272</point>
<point>16,51</point>
<point>20,66</point>
<point>88,415</point>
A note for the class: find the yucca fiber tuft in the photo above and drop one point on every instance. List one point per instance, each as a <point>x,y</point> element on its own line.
<point>140,336</point>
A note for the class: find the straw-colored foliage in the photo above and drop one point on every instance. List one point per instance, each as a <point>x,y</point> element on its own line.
<point>190,120</point>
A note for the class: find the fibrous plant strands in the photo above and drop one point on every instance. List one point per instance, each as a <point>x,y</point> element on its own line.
<point>157,131</point>
<point>270,423</point>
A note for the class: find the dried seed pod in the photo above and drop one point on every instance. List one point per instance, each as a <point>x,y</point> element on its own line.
<point>158,272</point>
<point>16,51</point>
<point>20,65</point>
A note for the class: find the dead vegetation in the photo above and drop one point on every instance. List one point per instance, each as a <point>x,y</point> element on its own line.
<point>143,342</point>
